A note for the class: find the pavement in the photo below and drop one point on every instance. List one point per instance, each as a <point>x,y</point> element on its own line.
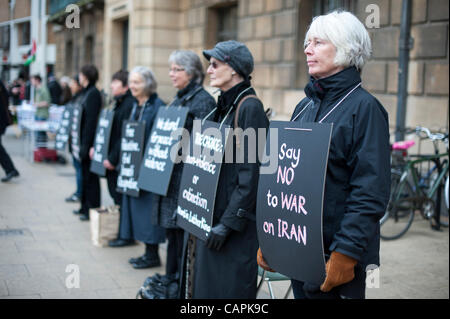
<point>44,246</point>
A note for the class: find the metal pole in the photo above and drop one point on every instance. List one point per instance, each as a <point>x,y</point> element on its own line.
<point>403,62</point>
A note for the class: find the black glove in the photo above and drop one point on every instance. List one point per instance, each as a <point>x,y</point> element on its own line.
<point>217,236</point>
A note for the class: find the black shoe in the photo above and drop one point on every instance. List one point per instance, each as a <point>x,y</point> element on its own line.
<point>73,199</point>
<point>119,242</point>
<point>77,212</point>
<point>147,262</point>
<point>84,217</point>
<point>10,175</point>
<point>135,259</point>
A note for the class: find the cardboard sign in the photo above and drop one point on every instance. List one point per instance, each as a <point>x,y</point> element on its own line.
<point>63,133</point>
<point>75,131</point>
<point>290,202</point>
<point>157,164</point>
<point>130,157</point>
<point>199,180</point>
<point>101,142</point>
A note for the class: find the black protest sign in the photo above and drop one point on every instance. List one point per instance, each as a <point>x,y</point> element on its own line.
<point>130,157</point>
<point>101,142</point>
<point>290,201</point>
<point>75,131</point>
<point>157,164</point>
<point>200,176</point>
<point>63,132</point>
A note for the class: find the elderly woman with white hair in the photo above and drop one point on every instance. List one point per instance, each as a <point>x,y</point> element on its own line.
<point>358,173</point>
<point>135,221</point>
<point>187,75</point>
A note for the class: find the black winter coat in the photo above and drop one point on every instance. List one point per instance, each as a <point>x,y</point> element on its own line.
<point>358,174</point>
<point>91,105</point>
<point>5,119</point>
<point>122,110</point>
<point>200,103</point>
<point>232,271</point>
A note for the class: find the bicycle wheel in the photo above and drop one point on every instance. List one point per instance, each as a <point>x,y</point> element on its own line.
<point>400,211</point>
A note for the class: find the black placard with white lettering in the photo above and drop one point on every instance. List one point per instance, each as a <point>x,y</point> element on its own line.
<point>157,164</point>
<point>101,142</point>
<point>130,157</point>
<point>63,133</point>
<point>75,131</point>
<point>290,201</point>
<point>200,177</point>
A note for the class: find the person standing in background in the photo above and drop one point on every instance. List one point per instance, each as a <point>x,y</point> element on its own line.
<point>135,220</point>
<point>123,105</point>
<point>91,105</point>
<point>77,94</point>
<point>5,120</point>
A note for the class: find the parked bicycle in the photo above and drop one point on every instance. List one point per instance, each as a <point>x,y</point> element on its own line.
<point>417,184</point>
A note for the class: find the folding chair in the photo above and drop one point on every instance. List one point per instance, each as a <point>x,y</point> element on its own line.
<point>268,277</point>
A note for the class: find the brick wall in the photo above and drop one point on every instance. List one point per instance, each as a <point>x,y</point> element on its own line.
<point>428,68</point>
<point>274,31</point>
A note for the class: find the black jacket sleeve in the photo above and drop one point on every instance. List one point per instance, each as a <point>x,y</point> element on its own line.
<point>369,183</point>
<point>242,204</point>
<point>91,110</point>
<point>121,114</point>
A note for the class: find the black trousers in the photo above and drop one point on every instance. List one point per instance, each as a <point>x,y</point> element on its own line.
<point>174,250</point>
<point>111,179</point>
<point>5,159</point>
<point>90,192</point>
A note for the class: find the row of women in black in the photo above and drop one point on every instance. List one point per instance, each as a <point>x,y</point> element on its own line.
<point>225,266</point>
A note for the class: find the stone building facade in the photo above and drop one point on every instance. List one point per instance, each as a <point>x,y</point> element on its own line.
<point>145,32</point>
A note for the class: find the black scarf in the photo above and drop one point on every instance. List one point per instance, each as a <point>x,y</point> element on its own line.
<point>227,98</point>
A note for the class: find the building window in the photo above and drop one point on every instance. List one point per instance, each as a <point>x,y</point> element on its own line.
<point>125,45</point>
<point>89,50</point>
<point>68,59</point>
<point>222,23</point>
<point>24,33</point>
<point>307,10</point>
<point>4,37</point>
<point>325,6</point>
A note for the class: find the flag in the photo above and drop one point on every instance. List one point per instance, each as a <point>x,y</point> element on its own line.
<point>31,55</point>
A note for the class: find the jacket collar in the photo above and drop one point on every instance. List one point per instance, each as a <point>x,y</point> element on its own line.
<point>227,98</point>
<point>334,86</point>
<point>119,99</point>
<point>187,89</point>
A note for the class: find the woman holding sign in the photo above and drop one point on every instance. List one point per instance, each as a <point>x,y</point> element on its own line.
<point>187,75</point>
<point>224,266</point>
<point>337,46</point>
<point>135,222</point>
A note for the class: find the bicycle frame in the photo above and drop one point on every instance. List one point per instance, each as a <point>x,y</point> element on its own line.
<point>410,170</point>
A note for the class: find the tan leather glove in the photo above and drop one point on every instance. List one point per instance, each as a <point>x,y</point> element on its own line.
<point>262,262</point>
<point>339,270</point>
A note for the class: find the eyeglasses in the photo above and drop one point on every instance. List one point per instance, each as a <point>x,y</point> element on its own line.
<point>214,64</point>
<point>176,70</point>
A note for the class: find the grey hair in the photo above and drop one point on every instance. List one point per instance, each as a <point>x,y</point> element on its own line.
<point>190,62</point>
<point>149,79</point>
<point>346,33</point>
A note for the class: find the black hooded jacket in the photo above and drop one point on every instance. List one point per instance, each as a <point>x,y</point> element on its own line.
<point>358,173</point>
